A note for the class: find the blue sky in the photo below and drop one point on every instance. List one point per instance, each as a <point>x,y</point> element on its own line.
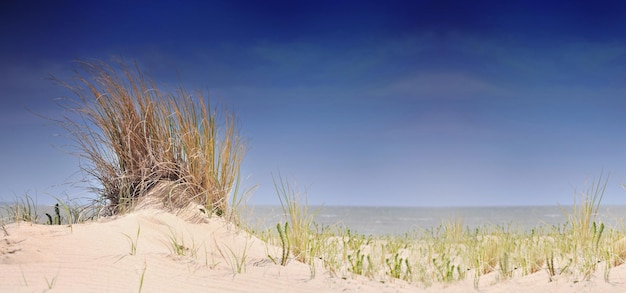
<point>396,103</point>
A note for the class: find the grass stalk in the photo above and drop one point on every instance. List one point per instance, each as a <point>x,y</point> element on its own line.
<point>234,260</point>
<point>143,274</point>
<point>133,243</point>
<point>177,244</point>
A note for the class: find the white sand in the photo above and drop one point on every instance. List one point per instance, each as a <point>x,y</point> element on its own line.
<point>95,257</point>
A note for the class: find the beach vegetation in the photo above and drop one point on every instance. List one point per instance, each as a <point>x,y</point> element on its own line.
<point>133,242</point>
<point>300,220</point>
<point>143,274</point>
<point>51,282</point>
<point>4,228</point>
<point>137,139</point>
<point>177,246</point>
<point>213,263</point>
<point>72,211</point>
<point>283,233</point>
<point>453,252</point>
<point>57,216</point>
<point>26,209</point>
<point>23,277</point>
<point>23,209</point>
<point>236,260</point>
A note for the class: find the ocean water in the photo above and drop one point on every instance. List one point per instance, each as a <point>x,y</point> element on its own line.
<point>399,220</point>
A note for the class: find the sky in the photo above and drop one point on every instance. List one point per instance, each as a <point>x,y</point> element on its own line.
<point>377,103</point>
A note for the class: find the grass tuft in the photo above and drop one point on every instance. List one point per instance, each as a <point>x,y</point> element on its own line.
<point>300,220</point>
<point>134,136</point>
<point>133,243</point>
<point>24,209</point>
<point>237,261</point>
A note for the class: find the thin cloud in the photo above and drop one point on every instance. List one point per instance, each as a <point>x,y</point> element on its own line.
<point>442,86</point>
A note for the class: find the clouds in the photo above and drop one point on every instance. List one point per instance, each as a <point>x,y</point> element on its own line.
<point>360,98</point>
<point>442,86</point>
<point>558,60</point>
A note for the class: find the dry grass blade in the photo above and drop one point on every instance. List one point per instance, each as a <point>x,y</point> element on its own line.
<point>134,135</point>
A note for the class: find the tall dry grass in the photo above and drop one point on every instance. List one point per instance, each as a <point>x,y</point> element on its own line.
<point>138,139</point>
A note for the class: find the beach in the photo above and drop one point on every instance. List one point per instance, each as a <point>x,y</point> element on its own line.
<point>152,250</point>
<point>95,257</point>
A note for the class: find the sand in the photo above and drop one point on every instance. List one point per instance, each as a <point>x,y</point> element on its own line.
<point>96,257</point>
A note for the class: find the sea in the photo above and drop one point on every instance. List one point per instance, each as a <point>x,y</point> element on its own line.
<point>379,221</point>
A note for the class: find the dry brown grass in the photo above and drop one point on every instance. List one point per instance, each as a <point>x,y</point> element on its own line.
<point>134,135</point>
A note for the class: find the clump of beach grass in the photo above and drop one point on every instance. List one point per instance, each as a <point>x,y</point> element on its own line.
<point>135,136</point>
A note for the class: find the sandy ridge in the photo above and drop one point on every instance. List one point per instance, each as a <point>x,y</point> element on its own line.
<point>95,257</point>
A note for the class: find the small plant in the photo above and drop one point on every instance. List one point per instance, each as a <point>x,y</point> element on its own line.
<point>23,277</point>
<point>284,238</point>
<point>72,212</point>
<point>24,209</point>
<point>504,263</point>
<point>69,212</point>
<point>51,283</point>
<point>143,274</point>
<point>395,265</point>
<point>607,267</point>
<point>4,229</point>
<point>177,244</point>
<point>597,234</point>
<point>446,270</point>
<point>552,269</point>
<point>213,263</point>
<point>235,261</point>
<point>300,220</point>
<point>57,216</point>
<point>357,262</point>
<point>133,243</point>
<point>237,201</point>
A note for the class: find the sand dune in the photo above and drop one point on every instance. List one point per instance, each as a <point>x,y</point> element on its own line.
<point>96,257</point>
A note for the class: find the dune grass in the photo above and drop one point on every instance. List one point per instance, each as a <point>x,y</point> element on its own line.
<point>134,135</point>
<point>177,246</point>
<point>296,232</point>
<point>64,212</point>
<point>236,259</point>
<point>143,275</point>
<point>451,252</point>
<point>23,209</point>
<point>133,242</point>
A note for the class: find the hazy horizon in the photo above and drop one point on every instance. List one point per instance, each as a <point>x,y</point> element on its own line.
<point>401,220</point>
<point>395,103</point>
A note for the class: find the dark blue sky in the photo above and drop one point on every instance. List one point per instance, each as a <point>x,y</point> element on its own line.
<point>362,102</point>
